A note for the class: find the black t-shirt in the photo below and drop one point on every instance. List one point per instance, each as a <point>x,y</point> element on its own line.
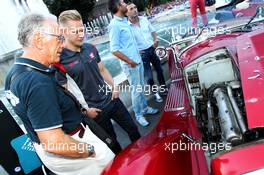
<point>83,68</point>
<point>39,101</point>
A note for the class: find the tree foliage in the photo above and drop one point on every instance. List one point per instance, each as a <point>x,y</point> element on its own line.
<point>84,7</point>
<point>152,3</point>
<point>141,4</point>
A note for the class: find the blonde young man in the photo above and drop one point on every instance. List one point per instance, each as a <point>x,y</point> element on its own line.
<point>83,64</point>
<point>54,123</point>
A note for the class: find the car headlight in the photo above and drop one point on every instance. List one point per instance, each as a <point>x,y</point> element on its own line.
<point>161,52</point>
<point>256,172</point>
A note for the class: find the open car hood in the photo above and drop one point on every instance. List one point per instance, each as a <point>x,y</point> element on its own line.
<point>250,51</point>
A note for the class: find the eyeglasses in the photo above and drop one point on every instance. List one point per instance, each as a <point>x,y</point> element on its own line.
<point>59,37</point>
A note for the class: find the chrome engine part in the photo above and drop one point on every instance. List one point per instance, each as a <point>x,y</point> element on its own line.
<point>216,95</point>
<point>236,110</point>
<point>229,126</point>
<point>210,113</point>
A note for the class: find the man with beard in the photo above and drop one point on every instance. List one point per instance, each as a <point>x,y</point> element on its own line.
<point>147,42</point>
<point>124,47</point>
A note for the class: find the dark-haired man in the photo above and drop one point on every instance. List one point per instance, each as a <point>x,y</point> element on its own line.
<point>147,42</point>
<point>124,47</point>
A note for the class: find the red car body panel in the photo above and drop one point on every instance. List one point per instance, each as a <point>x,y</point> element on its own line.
<point>239,161</point>
<point>228,41</point>
<point>251,63</point>
<point>149,155</point>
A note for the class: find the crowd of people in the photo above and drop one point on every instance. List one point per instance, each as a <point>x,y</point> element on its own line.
<point>55,87</point>
<point>164,7</point>
<point>192,4</point>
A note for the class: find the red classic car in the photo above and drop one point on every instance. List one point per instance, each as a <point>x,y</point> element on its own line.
<point>213,121</point>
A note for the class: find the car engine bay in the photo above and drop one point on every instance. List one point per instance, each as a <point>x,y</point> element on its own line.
<point>216,96</point>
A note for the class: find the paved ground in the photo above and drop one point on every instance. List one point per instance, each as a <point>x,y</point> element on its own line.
<point>123,138</point>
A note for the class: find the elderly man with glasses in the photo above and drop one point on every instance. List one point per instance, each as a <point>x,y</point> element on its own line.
<point>54,123</point>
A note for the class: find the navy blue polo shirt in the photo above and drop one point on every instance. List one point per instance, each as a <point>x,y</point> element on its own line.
<point>39,101</point>
<point>83,68</point>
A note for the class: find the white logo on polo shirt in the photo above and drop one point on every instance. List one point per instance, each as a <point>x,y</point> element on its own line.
<point>12,98</point>
<point>91,55</point>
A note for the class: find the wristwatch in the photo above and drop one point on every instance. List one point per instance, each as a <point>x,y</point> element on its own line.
<point>90,150</point>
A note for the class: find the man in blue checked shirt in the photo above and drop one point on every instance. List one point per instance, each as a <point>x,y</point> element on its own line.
<point>124,47</point>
